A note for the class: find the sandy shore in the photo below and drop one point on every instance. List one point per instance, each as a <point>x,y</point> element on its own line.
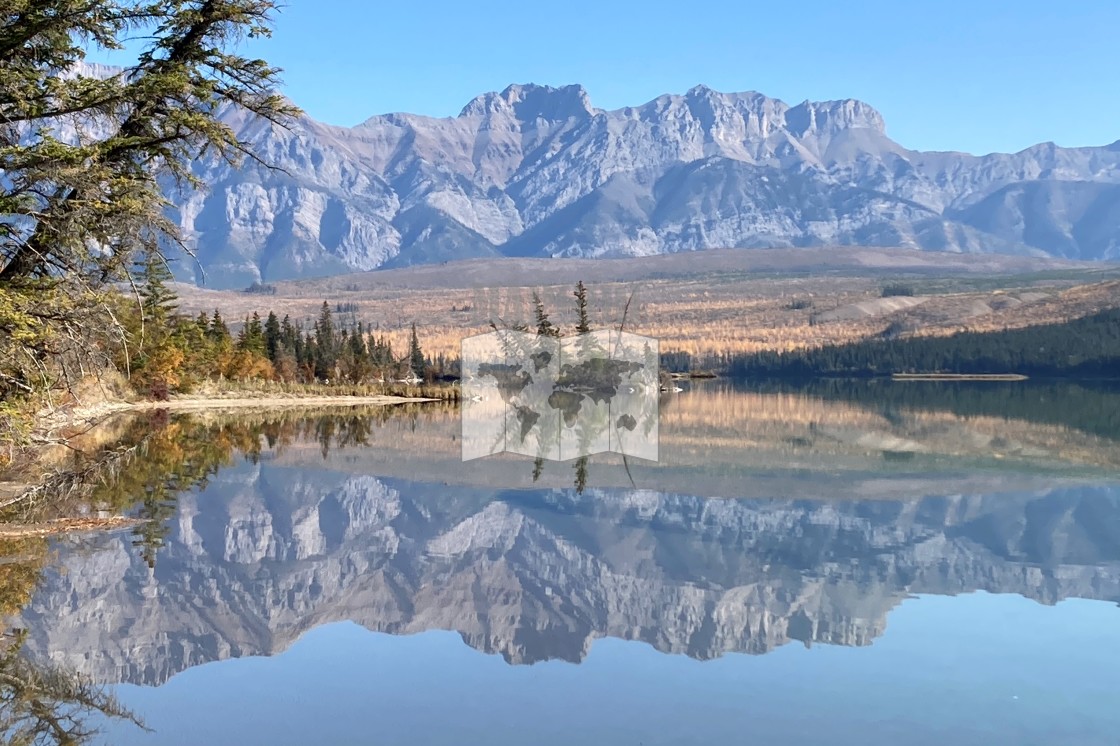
<point>273,402</point>
<point>59,424</point>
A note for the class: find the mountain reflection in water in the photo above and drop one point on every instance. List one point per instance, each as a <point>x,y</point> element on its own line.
<point>773,517</point>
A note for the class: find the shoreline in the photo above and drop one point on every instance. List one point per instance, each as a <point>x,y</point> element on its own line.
<point>63,428</point>
<point>272,400</point>
<point>66,417</point>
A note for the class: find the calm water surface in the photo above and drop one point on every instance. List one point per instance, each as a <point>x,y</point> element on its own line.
<point>850,564</point>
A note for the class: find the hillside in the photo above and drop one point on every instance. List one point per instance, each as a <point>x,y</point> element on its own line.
<point>706,303</point>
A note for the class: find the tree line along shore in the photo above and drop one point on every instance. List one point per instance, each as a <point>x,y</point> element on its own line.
<point>175,354</point>
<point>1086,347</point>
<point>172,354</point>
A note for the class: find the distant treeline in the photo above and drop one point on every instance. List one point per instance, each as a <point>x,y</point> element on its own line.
<point>1089,406</point>
<point>175,353</point>
<point>326,352</point>
<point>1085,347</point>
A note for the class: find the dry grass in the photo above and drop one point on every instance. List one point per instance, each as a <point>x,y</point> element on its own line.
<point>701,316</point>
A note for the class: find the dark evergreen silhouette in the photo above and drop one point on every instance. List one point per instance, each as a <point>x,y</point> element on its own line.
<point>1085,347</point>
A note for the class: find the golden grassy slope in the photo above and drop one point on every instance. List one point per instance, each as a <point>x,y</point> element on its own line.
<point>698,311</point>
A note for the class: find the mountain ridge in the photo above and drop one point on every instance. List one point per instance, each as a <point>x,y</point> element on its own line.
<point>537,170</point>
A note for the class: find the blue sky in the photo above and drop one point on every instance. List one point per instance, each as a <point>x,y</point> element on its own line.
<point>979,76</point>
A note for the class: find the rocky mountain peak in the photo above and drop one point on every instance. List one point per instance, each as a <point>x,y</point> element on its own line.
<point>701,96</point>
<point>529,102</point>
<point>831,117</point>
<point>701,91</point>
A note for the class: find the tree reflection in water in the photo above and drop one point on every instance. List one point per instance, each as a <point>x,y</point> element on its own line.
<point>44,704</point>
<point>178,453</point>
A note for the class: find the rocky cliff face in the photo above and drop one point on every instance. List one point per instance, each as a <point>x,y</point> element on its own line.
<point>267,552</point>
<point>539,171</point>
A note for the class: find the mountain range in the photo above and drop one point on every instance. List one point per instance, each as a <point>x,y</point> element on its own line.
<point>539,171</point>
<point>266,552</point>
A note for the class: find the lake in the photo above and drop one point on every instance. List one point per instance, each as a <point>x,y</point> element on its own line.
<point>851,563</point>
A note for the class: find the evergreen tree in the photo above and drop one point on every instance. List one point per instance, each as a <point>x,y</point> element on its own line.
<point>273,336</point>
<point>358,357</point>
<point>358,342</point>
<point>218,332</point>
<point>381,352</point>
<point>416,361</point>
<point>324,328</point>
<point>584,323</point>
<point>307,358</point>
<point>326,349</point>
<point>288,332</point>
<point>545,327</point>
<point>158,301</point>
<point>157,364</point>
<point>251,338</point>
<point>298,347</point>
